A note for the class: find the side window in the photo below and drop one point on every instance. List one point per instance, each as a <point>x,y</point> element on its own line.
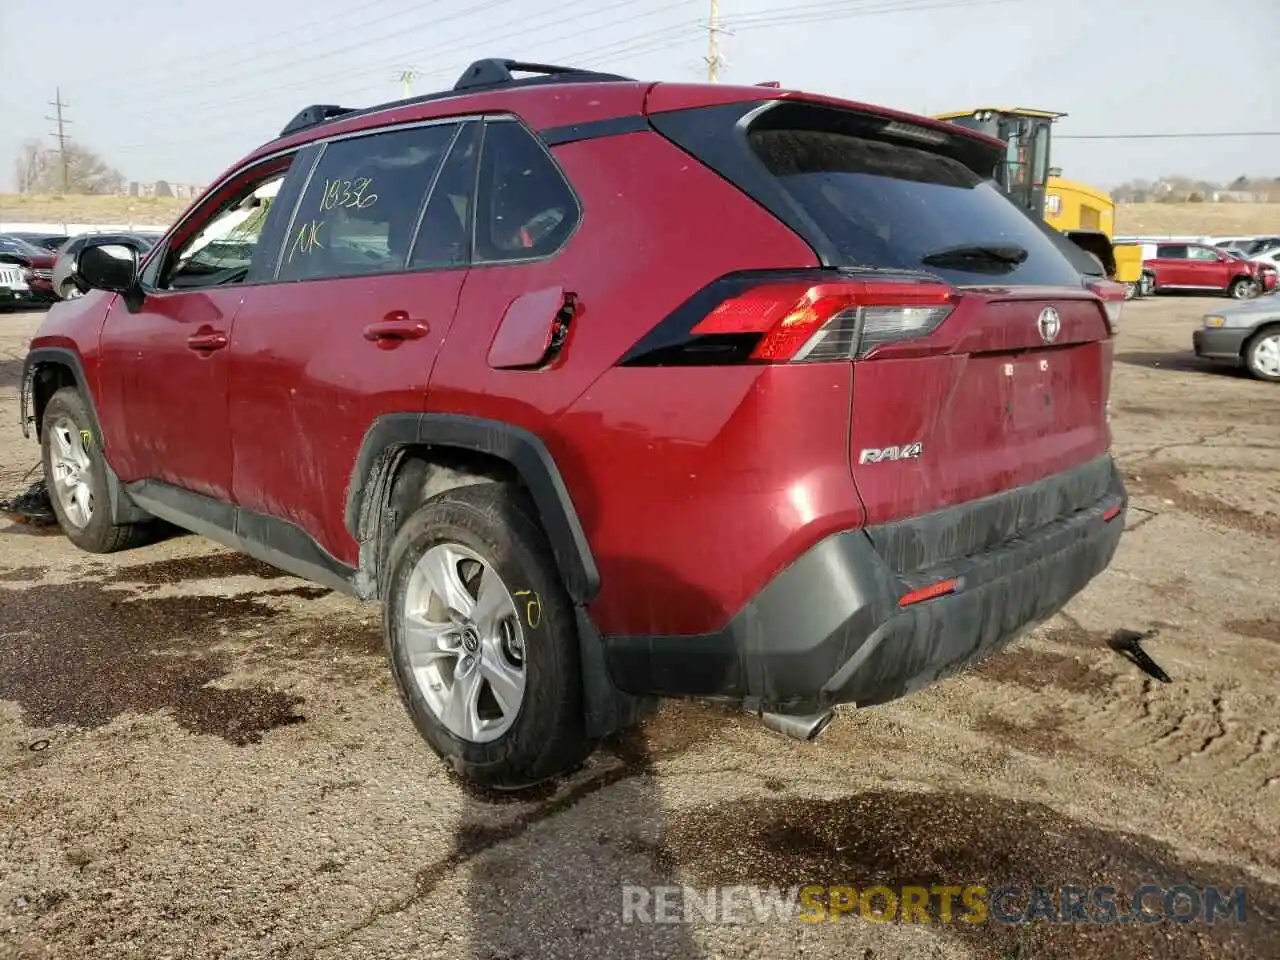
<point>1171,252</point>
<point>358,213</point>
<point>444,238</point>
<point>525,208</point>
<point>1204,253</point>
<point>220,247</point>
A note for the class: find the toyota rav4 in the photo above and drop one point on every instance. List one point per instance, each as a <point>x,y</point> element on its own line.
<point>608,391</point>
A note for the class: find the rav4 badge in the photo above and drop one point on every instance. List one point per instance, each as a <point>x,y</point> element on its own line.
<point>910,451</point>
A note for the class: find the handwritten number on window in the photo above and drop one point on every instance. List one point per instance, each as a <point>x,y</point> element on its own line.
<point>347,195</point>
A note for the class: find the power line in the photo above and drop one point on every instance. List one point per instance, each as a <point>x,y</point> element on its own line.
<point>61,137</point>
<point>1166,136</point>
<point>228,109</point>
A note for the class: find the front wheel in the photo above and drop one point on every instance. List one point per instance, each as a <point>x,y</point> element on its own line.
<point>1262,355</point>
<point>482,638</point>
<point>1130,290</point>
<point>69,290</point>
<point>1243,288</point>
<point>76,476</point>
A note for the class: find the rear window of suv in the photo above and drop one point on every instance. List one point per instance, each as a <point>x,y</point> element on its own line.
<point>885,204</point>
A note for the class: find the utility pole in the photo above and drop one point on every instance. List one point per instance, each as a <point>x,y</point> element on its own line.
<point>714,60</point>
<point>61,137</point>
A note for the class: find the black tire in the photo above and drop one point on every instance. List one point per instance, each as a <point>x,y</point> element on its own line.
<point>1251,359</point>
<point>1244,288</point>
<point>101,534</point>
<point>497,522</point>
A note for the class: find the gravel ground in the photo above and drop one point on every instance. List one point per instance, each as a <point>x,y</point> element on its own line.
<point>205,758</point>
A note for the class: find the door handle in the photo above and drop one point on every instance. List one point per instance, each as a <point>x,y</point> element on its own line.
<point>395,327</point>
<point>207,340</point>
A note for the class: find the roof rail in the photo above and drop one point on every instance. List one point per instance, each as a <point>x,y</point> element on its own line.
<point>497,72</point>
<point>315,114</point>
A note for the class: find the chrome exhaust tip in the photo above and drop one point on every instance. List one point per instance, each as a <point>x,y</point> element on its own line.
<point>805,727</point>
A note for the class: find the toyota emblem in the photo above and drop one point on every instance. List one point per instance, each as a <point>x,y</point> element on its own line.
<point>1049,324</point>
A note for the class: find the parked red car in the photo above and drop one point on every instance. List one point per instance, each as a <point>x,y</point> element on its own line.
<point>1199,267</point>
<point>608,391</point>
<point>36,264</point>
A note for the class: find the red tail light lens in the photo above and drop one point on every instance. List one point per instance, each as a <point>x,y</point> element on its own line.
<point>806,323</point>
<point>1112,296</point>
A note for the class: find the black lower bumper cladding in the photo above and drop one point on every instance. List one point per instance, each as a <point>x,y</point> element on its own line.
<point>829,628</point>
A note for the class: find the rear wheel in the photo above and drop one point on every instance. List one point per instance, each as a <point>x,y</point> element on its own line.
<point>1130,290</point>
<point>482,638</point>
<point>76,476</point>
<point>1243,288</point>
<point>1262,355</point>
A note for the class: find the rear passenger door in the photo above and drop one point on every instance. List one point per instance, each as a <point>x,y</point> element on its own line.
<point>1171,265</point>
<point>367,284</point>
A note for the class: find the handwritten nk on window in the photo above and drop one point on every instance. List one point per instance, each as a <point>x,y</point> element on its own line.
<point>338,195</point>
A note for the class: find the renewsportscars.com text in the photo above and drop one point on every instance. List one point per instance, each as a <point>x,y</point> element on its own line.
<point>958,903</point>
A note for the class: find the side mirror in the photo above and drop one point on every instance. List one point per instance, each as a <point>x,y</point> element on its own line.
<point>108,266</point>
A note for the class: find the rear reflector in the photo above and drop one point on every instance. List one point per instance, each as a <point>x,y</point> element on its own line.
<point>806,322</point>
<point>930,592</point>
<point>1112,296</point>
<point>1110,514</point>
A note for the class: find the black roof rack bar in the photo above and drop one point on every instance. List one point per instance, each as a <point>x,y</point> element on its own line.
<point>495,72</point>
<point>313,115</point>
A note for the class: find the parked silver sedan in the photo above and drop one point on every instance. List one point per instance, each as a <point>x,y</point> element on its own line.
<point>1245,333</point>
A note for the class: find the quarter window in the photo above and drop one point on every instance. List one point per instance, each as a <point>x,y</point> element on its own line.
<point>361,206</point>
<point>525,207</point>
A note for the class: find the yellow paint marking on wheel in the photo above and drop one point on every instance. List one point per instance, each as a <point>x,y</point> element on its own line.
<point>532,608</point>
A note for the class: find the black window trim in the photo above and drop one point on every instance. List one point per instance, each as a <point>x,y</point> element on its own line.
<point>579,210</point>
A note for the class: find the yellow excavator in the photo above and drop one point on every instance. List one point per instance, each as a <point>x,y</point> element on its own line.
<point>1085,214</point>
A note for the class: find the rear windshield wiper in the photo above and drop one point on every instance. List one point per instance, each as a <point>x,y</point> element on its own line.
<point>975,256</point>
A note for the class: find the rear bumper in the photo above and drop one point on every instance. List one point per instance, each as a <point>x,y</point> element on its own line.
<point>1223,343</point>
<point>829,629</point>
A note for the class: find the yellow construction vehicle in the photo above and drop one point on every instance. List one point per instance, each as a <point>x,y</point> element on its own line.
<point>1081,212</point>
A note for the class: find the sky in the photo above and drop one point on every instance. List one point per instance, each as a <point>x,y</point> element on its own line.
<point>180,91</point>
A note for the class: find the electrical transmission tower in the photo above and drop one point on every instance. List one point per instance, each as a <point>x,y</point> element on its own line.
<point>61,137</point>
<point>714,60</point>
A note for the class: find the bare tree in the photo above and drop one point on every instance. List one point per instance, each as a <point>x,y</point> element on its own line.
<point>39,170</point>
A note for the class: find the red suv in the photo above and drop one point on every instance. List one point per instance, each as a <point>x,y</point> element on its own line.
<point>1198,266</point>
<point>608,391</point>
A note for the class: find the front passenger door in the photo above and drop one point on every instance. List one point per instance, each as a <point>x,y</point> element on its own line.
<point>164,357</point>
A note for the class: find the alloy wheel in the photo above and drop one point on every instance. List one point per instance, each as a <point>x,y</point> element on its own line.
<point>464,642</point>
<point>71,468</point>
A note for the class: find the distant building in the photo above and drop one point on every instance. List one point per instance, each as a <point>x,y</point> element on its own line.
<point>165,188</point>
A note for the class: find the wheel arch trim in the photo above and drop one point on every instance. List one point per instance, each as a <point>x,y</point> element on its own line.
<point>522,449</point>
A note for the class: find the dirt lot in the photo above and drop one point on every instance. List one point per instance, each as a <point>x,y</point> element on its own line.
<point>203,758</point>
<point>1199,219</point>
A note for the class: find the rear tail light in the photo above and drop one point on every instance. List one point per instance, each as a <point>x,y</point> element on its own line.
<point>799,321</point>
<point>1112,296</point>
